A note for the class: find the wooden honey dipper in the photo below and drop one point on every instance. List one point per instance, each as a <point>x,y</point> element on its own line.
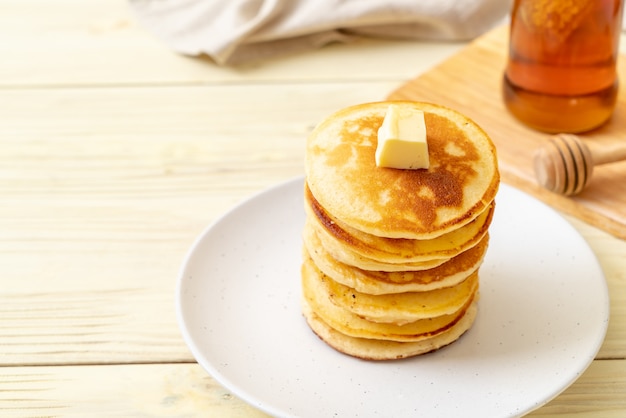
<point>565,164</point>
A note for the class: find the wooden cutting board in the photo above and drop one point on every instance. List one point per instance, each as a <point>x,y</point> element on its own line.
<point>470,82</point>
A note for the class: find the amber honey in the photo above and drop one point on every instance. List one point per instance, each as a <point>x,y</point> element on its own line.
<point>561,73</point>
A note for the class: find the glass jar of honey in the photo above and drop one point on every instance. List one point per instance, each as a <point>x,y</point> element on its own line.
<point>561,72</point>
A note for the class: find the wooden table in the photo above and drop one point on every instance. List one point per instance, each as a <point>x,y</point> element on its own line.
<point>115,153</point>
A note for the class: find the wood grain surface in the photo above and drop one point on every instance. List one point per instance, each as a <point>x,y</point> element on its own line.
<point>470,81</point>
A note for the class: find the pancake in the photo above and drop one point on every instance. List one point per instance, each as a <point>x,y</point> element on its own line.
<point>448,274</point>
<point>349,323</point>
<point>345,255</point>
<point>397,308</point>
<point>391,257</point>
<point>342,174</point>
<point>398,250</point>
<point>369,349</point>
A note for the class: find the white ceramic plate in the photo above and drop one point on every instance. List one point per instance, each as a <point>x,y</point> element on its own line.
<point>543,314</point>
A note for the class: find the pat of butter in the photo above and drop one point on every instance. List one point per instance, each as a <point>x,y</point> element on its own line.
<point>402,139</point>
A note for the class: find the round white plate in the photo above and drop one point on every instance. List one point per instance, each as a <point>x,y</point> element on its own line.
<point>543,315</point>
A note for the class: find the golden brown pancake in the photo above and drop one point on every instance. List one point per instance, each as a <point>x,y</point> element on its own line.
<point>459,185</point>
<point>344,254</point>
<point>397,250</point>
<point>447,274</point>
<point>370,349</point>
<point>391,256</point>
<point>397,308</point>
<point>349,323</point>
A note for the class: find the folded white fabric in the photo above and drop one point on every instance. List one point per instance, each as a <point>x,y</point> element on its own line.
<point>237,31</point>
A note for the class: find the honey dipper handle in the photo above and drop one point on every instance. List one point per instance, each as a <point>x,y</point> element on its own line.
<point>607,153</point>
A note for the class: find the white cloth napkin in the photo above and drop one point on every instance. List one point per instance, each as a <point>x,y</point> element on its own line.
<point>239,31</point>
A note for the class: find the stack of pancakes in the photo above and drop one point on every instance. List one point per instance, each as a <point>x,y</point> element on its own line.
<point>391,256</point>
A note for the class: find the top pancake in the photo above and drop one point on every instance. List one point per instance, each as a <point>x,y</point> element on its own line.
<point>342,175</point>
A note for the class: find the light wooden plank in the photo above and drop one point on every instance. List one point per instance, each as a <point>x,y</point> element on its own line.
<point>124,325</point>
<point>99,42</point>
<point>599,392</point>
<point>162,390</point>
<point>177,390</point>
